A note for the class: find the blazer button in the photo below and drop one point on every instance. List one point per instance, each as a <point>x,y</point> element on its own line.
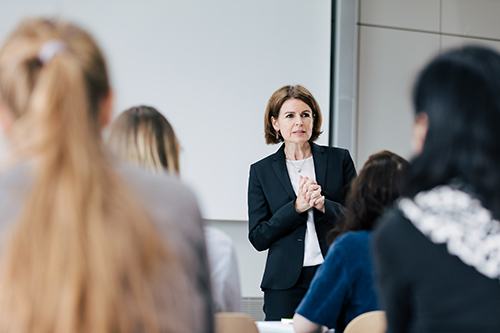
<point>299,240</point>
<point>322,241</point>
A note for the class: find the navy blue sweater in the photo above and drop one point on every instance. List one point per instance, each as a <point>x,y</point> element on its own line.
<point>343,286</point>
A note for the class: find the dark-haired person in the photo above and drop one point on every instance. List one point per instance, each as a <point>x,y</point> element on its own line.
<point>294,197</point>
<point>438,252</point>
<point>342,288</point>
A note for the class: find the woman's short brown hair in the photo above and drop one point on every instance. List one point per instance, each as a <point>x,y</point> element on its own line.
<point>276,102</point>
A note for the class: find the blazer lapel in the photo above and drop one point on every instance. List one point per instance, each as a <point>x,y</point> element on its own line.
<point>279,166</point>
<point>320,163</point>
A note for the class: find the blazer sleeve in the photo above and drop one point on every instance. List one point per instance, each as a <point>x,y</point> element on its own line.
<point>333,211</point>
<point>265,226</point>
<point>349,172</point>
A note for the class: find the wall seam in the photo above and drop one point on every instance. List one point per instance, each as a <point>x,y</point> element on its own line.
<point>440,26</point>
<point>427,32</point>
<point>356,116</point>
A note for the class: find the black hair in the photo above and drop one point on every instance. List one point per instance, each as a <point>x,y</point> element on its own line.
<point>460,93</point>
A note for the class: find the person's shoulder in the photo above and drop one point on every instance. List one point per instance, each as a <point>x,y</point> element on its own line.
<point>163,195</point>
<point>350,250</point>
<point>355,236</point>
<point>331,149</point>
<point>335,151</point>
<point>171,205</point>
<point>353,240</point>
<point>392,218</point>
<point>264,162</point>
<point>217,236</point>
<point>155,183</point>
<point>220,247</point>
<point>393,226</point>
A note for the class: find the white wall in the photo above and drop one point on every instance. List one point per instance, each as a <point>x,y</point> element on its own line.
<point>396,39</point>
<point>210,67</point>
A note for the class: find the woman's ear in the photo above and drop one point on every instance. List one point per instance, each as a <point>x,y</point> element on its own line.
<point>420,128</point>
<point>106,109</point>
<point>275,124</point>
<point>6,120</point>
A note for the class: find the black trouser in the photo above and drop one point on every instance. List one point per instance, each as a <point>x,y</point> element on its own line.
<point>282,303</point>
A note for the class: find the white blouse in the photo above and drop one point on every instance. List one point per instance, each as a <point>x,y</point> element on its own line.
<point>305,168</point>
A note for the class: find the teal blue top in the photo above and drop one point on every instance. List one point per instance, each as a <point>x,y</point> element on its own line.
<point>342,287</point>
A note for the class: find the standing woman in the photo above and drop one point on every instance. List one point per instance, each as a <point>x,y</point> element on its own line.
<point>88,245</point>
<point>294,198</point>
<point>438,252</point>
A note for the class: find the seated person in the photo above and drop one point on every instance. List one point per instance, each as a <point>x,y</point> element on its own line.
<point>437,252</point>
<point>87,244</point>
<point>145,138</point>
<point>342,288</point>
<point>224,270</point>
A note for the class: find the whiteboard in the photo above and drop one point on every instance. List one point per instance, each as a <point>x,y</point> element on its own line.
<point>210,68</point>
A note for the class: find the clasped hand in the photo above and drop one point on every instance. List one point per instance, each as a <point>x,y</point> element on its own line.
<point>309,195</point>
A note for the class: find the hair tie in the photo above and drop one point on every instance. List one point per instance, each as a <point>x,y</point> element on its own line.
<point>51,48</point>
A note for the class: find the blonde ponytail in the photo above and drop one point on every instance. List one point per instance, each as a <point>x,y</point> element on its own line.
<point>83,255</point>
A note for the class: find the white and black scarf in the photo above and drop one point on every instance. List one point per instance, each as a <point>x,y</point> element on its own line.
<point>447,215</point>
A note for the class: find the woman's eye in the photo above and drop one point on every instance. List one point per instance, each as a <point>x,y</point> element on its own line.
<point>306,115</point>
<point>289,115</point>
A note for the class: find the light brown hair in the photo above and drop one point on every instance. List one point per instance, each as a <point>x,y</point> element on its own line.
<point>144,137</point>
<point>276,102</point>
<point>83,256</point>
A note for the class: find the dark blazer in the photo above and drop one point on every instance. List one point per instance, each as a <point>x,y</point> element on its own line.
<point>274,223</point>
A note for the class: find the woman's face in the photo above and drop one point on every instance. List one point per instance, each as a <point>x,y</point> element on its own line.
<point>295,121</point>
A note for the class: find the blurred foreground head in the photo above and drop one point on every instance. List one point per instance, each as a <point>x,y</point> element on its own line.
<point>457,103</point>
<point>52,74</point>
<point>82,255</point>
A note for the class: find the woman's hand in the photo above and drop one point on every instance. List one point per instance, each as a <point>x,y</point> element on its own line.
<point>309,195</point>
<point>317,200</point>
